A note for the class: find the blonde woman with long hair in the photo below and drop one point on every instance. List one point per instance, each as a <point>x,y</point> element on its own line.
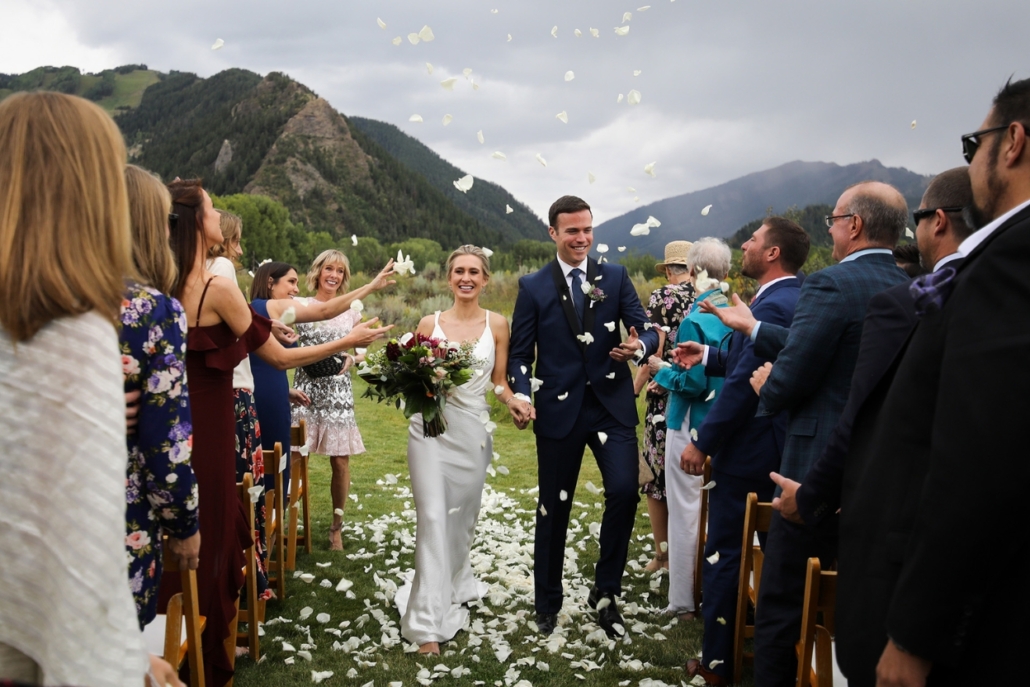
<point>66,613</point>
<point>332,427</point>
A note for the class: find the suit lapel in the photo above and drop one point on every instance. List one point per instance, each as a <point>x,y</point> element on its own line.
<point>590,314</point>
<point>1020,216</point>
<point>566,301</point>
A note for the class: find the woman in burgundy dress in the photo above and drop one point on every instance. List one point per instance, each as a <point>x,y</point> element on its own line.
<point>222,330</point>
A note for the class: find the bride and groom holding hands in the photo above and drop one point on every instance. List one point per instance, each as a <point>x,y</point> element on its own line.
<point>564,350</point>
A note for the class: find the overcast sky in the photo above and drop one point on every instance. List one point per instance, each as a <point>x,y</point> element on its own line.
<point>727,88</point>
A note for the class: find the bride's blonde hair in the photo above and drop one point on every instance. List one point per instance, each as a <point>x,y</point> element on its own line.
<point>469,249</point>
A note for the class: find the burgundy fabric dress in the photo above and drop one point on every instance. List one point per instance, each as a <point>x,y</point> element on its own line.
<point>211,354</point>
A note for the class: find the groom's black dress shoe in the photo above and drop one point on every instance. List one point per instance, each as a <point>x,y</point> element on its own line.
<point>546,622</point>
<point>608,616</point>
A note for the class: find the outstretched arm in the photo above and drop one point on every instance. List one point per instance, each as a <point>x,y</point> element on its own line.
<point>316,311</point>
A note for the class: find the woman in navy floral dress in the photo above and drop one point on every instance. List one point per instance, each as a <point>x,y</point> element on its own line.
<point>161,489</point>
<point>666,308</point>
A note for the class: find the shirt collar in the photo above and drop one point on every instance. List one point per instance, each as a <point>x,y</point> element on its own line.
<point>867,251</point>
<point>978,236</point>
<point>946,259</point>
<point>770,283</point>
<point>566,267</point>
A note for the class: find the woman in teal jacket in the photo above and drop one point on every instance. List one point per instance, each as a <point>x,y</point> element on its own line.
<point>691,394</point>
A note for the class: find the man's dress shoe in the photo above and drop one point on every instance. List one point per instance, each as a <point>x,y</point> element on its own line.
<point>608,613</point>
<point>546,622</point>
<point>694,668</point>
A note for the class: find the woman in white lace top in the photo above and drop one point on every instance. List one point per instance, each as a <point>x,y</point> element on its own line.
<point>66,611</point>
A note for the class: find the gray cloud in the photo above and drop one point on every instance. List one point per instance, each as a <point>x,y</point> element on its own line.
<point>728,88</point>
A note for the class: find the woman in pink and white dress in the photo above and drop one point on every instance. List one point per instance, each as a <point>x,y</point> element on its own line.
<point>332,427</point>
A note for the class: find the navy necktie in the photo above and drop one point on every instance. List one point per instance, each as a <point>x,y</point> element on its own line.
<point>578,297</point>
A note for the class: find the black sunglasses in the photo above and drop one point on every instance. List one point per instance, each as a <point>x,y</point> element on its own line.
<point>173,221</point>
<point>971,142</point>
<point>920,215</point>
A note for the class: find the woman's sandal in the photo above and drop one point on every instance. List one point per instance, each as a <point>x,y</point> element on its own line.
<point>336,537</point>
<point>660,560</point>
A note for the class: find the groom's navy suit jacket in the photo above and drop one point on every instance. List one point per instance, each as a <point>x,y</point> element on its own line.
<point>544,329</point>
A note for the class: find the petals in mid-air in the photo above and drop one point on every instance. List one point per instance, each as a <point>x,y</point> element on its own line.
<point>640,230</point>
<point>619,99</point>
<point>577,33</point>
<point>541,160</point>
<point>596,33</point>
<point>562,397</point>
<point>382,24</point>
<point>464,184</point>
<point>467,71</point>
<point>569,76</point>
<point>426,34</point>
<point>913,124</point>
<point>626,17</point>
<point>509,38</point>
<point>218,44</point>
<point>610,326</point>
<point>909,234</point>
<point>587,338</point>
<point>706,210</point>
<point>413,38</point>
<point>415,118</point>
<point>448,84</point>
<point>354,239</point>
<point>479,136</point>
<point>621,30</point>
<point>637,72</point>
<point>591,178</point>
<point>563,117</point>
<point>487,252</point>
<point>621,249</point>
<point>508,210</point>
<point>649,169</point>
<point>429,67</point>
<point>602,248</point>
<point>447,119</point>
<point>397,40</point>
<point>633,97</point>
<point>498,155</point>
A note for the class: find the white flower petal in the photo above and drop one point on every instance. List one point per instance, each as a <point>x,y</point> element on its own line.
<point>429,67</point>
<point>306,655</point>
<point>217,45</point>
<point>655,419</point>
<point>464,184</point>
<point>479,136</point>
<point>317,676</point>
<point>498,155</point>
<point>621,30</point>
<point>563,495</point>
<point>543,511</point>
<point>467,71</point>
<point>569,76</point>
<point>626,17</point>
<point>586,337</point>
<point>592,488</point>
<point>602,437</point>
<point>710,396</point>
<point>591,178</point>
<point>714,663</point>
<point>523,368</point>
<point>619,99</point>
<point>308,577</point>
<point>610,326</point>
<point>426,34</point>
<point>633,97</point>
<point>602,248</point>
<point>913,124</point>
<point>338,511</point>
<point>652,222</point>
<point>413,38</point>
<point>509,38</point>
<point>644,8</point>
<point>541,160</point>
<point>708,485</point>
<point>447,119</point>
<point>503,469</point>
<point>721,621</point>
<point>714,558</point>
<point>344,585</point>
<point>397,40</point>
<point>649,169</point>
<point>637,72</point>
<point>640,230</point>
<point>507,209</point>
<point>554,32</point>
<point>357,306</point>
<point>354,239</point>
<point>448,84</point>
<point>706,210</point>
<point>563,117</point>
<point>909,234</point>
<point>322,618</point>
<point>577,33</point>
<point>255,492</point>
<point>562,397</point>
<point>415,118</point>
<point>610,375</point>
<point>596,33</point>
<point>382,24</point>
<point>621,249</point>
<point>454,510</point>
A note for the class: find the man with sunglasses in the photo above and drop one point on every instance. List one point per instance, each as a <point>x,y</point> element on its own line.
<point>942,575</point>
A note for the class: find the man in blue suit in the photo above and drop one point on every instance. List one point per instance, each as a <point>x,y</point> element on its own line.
<point>566,320</point>
<point>744,447</point>
<point>811,378</point>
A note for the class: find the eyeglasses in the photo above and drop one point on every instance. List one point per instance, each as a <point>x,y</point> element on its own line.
<point>830,219</point>
<point>920,215</point>
<point>173,221</point>
<point>971,142</point>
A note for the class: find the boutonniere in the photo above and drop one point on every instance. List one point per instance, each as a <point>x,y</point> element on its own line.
<point>593,293</point>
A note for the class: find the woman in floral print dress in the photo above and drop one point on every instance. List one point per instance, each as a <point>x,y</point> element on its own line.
<point>666,308</point>
<point>161,489</point>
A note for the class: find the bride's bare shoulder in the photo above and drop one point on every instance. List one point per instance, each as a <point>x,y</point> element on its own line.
<point>427,324</point>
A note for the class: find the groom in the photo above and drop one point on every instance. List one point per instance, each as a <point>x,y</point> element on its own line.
<point>567,318</point>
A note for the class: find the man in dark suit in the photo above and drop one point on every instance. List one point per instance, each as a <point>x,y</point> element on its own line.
<point>566,319</point>
<point>744,448</point>
<point>815,359</point>
<point>938,577</point>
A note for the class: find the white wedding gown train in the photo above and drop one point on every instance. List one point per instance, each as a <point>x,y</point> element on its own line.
<point>447,477</point>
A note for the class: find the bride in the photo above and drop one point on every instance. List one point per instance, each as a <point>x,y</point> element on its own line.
<point>448,472</point>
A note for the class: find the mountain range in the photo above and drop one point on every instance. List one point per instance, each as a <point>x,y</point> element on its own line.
<point>273,136</point>
<point>735,203</point>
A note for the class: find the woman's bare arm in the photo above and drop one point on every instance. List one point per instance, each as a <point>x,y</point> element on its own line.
<point>315,310</point>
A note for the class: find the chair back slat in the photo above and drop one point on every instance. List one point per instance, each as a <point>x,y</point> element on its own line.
<point>702,536</point>
<point>757,518</point>
<point>816,639</point>
<point>195,623</point>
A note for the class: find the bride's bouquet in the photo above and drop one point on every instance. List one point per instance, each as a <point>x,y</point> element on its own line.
<point>416,373</point>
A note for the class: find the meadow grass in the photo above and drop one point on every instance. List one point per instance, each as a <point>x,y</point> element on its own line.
<point>385,435</point>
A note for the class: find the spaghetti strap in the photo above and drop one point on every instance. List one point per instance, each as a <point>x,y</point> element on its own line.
<point>436,320</point>
<point>487,321</point>
<point>200,307</point>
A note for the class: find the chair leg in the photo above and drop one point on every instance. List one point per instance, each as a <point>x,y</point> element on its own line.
<point>307,511</point>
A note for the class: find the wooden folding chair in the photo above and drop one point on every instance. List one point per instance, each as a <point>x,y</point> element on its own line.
<point>702,536</point>
<point>298,496</point>
<point>181,617</point>
<point>820,598</point>
<point>254,612</point>
<point>275,538</point>
<point>757,518</point>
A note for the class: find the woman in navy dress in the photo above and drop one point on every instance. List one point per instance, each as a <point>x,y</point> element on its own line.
<point>271,295</point>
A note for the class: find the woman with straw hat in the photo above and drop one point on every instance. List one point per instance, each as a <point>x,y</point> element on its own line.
<point>666,308</point>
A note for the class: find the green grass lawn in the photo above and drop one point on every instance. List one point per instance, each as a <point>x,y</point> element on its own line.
<point>378,540</point>
<point>128,89</point>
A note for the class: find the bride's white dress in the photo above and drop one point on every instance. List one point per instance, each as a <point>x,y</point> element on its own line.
<point>447,476</point>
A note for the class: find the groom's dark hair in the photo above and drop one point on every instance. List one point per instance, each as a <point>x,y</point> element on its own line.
<point>565,204</point>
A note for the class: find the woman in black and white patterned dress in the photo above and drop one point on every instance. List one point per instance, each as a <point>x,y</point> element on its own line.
<point>332,427</point>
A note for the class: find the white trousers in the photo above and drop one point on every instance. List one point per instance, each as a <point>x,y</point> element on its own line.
<point>683,495</point>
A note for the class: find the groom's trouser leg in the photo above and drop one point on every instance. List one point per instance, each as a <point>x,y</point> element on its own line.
<point>558,462</point>
<point>618,460</point>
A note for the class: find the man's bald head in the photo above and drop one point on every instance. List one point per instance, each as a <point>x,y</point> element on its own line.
<point>882,208</point>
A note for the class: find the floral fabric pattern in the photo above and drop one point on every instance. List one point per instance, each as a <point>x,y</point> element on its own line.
<point>249,458</point>
<point>161,489</point>
<point>332,427</point>
<point>666,308</point>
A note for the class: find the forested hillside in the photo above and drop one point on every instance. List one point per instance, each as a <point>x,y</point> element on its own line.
<point>114,90</point>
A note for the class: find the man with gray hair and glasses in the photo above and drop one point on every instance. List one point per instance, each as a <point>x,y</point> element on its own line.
<point>815,359</point>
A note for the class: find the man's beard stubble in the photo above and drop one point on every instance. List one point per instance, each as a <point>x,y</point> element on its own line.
<point>978,216</point>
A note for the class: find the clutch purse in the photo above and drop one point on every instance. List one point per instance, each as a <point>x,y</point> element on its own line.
<point>327,367</point>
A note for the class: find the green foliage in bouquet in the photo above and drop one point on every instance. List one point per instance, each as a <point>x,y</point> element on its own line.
<point>416,373</point>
